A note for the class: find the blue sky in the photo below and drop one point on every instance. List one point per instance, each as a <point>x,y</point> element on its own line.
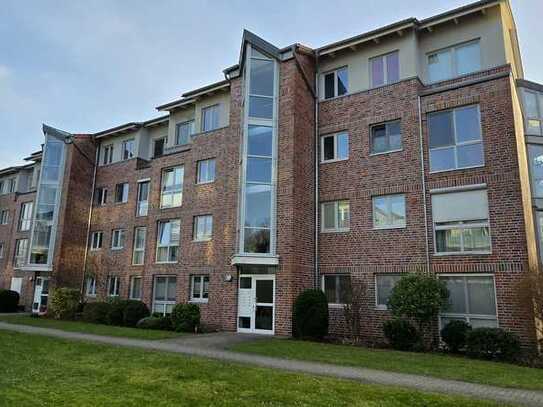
<point>84,66</point>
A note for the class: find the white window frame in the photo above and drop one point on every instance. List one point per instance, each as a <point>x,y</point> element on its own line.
<point>118,237</point>
<point>137,250</point>
<point>178,187</point>
<point>335,72</point>
<point>454,60</point>
<point>159,246</point>
<point>96,237</point>
<point>336,228</point>
<point>468,316</point>
<point>335,137</point>
<point>382,307</point>
<point>385,69</point>
<point>107,151</point>
<point>116,286</point>
<point>142,206</point>
<point>90,286</point>
<point>201,278</point>
<point>163,303</point>
<point>337,277</point>
<point>389,209</point>
<point>456,143</point>
<point>25,216</point>
<point>125,194</point>
<point>131,291</point>
<point>4,217</point>
<point>127,154</point>
<point>102,194</point>
<point>1,250</point>
<point>462,225</point>
<point>204,237</point>
<point>215,109</point>
<point>539,107</point>
<point>189,123</point>
<point>199,171</point>
<point>387,133</point>
<point>19,259</point>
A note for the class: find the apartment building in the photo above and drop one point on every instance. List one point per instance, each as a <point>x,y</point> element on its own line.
<point>404,149</point>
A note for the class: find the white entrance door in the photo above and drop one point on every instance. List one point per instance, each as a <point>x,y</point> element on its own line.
<point>256,304</point>
<point>41,295</point>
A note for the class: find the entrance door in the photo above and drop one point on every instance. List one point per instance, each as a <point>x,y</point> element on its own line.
<point>41,295</point>
<point>256,310</point>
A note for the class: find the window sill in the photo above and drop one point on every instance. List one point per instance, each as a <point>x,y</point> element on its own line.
<point>389,227</point>
<point>196,301</point>
<point>386,152</point>
<point>462,254</point>
<point>170,207</point>
<point>205,182</point>
<point>138,265</point>
<point>457,169</point>
<point>335,160</point>
<point>201,240</point>
<point>381,308</point>
<point>336,306</point>
<point>166,262</point>
<point>335,230</point>
<point>95,250</point>
<point>116,249</point>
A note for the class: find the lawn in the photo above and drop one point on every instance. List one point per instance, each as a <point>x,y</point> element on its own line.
<point>436,365</point>
<point>42,371</point>
<point>88,328</point>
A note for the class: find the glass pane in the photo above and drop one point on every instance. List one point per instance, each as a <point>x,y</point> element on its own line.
<point>536,167</point>
<point>53,153</point>
<point>483,323</point>
<point>245,282</point>
<point>530,104</point>
<point>440,128</point>
<point>393,67</point>
<point>344,289</point>
<point>329,210</point>
<point>343,215</point>
<point>470,155</point>
<point>448,240</point>
<point>264,291</point>
<point>196,287</point>
<point>160,288</point>
<point>457,295</point>
<point>257,240</point>
<point>260,141</point>
<point>264,318</point>
<point>481,295</point>
<point>330,289</point>
<point>259,170</point>
<point>476,239</point>
<point>468,58</point>
<point>394,134</point>
<point>205,290</point>
<point>342,146</point>
<point>262,77</point>
<point>385,284</point>
<point>442,159</point>
<point>440,66</point>
<point>467,124</point>
<point>342,81</point>
<point>377,71</point>
<point>258,205</point>
<point>171,288</point>
<point>379,139</point>
<point>245,322</point>
<point>328,148</point>
<point>261,107</point>
<point>329,85</point>
<point>397,208</point>
<point>380,212</point>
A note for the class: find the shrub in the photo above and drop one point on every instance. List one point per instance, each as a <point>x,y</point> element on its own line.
<point>134,311</point>
<point>492,343</point>
<point>9,301</point>
<point>96,312</point>
<point>418,297</point>
<point>310,315</point>
<point>402,335</point>
<point>185,317</point>
<point>64,303</point>
<point>454,335</point>
<point>155,322</point>
<point>115,314</point>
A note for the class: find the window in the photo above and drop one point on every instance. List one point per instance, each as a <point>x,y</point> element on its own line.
<point>129,148</point>
<point>25,218</point>
<point>199,288</point>
<point>135,288</point>
<point>1,250</point>
<point>121,193</point>
<point>385,69</point>
<point>261,86</point>
<point>158,147</point>
<point>138,255</point>
<point>203,228</point>
<point>90,286</point>
<point>117,239</point>
<point>335,216</point>
<point>472,298</point>
<point>96,240</point>
<point>461,222</point>
<point>384,283</point>
<point>4,217</point>
<point>142,207</point>
<point>21,250</point>
<point>113,286</point>
<point>168,241</point>
<point>454,61</point>
<point>206,171</point>
<point>533,112</point>
<point>172,187</point>
<point>2,187</point>
<point>164,294</point>
<point>389,211</point>
<point>386,138</point>
<point>210,117</point>
<point>12,185</point>
<point>337,288</point>
<point>535,154</point>
<point>336,83</point>
<point>183,132</point>
<point>455,139</point>
<point>101,196</point>
<point>334,147</point>
<point>107,154</point>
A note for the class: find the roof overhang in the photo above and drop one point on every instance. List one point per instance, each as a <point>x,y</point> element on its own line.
<point>523,83</point>
<point>122,129</point>
<point>479,6</point>
<point>191,97</point>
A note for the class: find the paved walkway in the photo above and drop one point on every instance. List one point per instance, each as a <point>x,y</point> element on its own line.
<point>189,346</point>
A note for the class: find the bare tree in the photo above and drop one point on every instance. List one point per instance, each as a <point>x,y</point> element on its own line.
<point>530,296</point>
<point>353,309</point>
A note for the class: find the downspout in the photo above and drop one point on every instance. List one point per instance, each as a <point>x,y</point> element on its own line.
<point>85,257</point>
<point>317,168</point>
<point>423,179</point>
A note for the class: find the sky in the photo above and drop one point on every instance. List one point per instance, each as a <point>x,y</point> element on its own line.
<point>85,66</point>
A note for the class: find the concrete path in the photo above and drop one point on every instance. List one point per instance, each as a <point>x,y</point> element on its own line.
<point>189,347</point>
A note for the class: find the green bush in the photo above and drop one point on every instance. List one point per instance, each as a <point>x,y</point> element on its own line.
<point>454,334</point>
<point>310,315</point>
<point>64,303</point>
<point>493,344</point>
<point>9,301</point>
<point>96,312</point>
<point>402,335</point>
<point>115,314</point>
<point>133,312</point>
<point>155,322</point>
<point>185,317</point>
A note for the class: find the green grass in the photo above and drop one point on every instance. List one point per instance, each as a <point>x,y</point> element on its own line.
<point>436,365</point>
<point>42,371</point>
<point>88,328</point>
